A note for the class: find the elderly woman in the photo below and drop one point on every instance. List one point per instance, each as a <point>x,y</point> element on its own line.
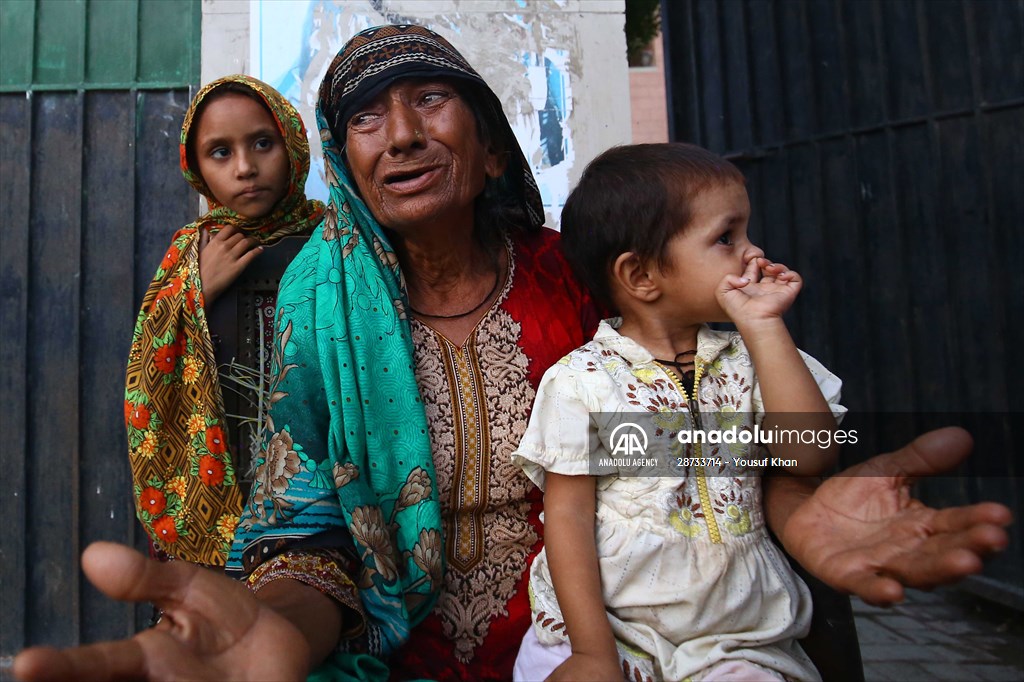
<point>387,525</point>
<point>428,381</point>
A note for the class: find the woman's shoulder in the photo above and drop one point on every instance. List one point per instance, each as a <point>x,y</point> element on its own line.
<point>300,272</point>
<point>543,276</point>
<point>538,243</point>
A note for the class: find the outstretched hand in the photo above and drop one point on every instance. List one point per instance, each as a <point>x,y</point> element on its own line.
<point>766,290</point>
<point>222,258</point>
<point>863,533</point>
<point>213,628</point>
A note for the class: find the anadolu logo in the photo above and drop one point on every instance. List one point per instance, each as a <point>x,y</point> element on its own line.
<point>628,440</point>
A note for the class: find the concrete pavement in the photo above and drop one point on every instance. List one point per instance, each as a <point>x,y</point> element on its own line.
<point>945,635</point>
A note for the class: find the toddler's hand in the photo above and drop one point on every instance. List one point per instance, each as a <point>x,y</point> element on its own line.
<point>765,291</point>
<point>587,667</point>
<point>222,258</point>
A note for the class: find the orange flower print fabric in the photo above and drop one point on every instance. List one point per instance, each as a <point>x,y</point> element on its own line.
<point>184,481</point>
<point>185,489</point>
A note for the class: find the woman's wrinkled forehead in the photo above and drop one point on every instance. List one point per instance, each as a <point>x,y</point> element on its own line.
<point>377,57</point>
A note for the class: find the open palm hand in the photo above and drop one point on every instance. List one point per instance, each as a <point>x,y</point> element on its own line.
<point>863,533</point>
<point>213,628</point>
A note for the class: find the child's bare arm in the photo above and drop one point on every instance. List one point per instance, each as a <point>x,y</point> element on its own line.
<point>569,508</point>
<point>222,258</point>
<point>792,398</point>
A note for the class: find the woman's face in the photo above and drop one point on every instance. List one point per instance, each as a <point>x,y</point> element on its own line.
<point>416,156</point>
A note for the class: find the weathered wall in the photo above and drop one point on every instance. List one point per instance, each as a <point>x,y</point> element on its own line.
<point>90,193</point>
<point>507,41</point>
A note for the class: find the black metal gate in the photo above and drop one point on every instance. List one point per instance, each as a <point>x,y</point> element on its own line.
<point>883,144</point>
<point>92,95</point>
<point>91,193</point>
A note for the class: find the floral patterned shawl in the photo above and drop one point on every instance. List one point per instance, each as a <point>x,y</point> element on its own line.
<point>185,489</point>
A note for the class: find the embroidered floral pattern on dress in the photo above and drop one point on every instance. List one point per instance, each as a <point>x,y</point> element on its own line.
<point>687,518</point>
<point>647,386</point>
<point>276,468</point>
<point>482,493</point>
<point>368,529</point>
<point>671,548</point>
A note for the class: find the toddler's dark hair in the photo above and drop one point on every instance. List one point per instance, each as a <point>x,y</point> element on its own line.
<point>635,198</point>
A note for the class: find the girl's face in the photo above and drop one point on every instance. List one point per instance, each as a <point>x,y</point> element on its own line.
<point>713,245</point>
<point>241,155</point>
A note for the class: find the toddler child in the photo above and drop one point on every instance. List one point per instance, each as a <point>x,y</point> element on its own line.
<point>670,577</point>
<point>243,147</point>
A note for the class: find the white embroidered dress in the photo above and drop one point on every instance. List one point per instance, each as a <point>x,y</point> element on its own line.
<point>689,573</point>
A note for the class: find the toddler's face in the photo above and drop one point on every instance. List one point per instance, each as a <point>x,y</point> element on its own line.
<point>241,155</point>
<point>713,245</point>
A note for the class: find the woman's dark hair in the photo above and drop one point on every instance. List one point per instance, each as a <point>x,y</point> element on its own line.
<point>635,198</point>
<point>499,207</point>
<point>213,96</point>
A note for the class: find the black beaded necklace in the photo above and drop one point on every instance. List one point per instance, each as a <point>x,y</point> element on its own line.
<point>497,276</point>
<point>685,368</point>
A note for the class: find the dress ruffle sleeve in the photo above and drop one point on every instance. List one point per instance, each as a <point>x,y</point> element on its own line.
<point>560,437</point>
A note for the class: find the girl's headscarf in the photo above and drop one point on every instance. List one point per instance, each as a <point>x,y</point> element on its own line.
<point>185,488</point>
<point>347,452</point>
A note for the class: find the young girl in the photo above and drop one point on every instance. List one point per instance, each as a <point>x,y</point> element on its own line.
<point>671,577</point>
<point>244,148</point>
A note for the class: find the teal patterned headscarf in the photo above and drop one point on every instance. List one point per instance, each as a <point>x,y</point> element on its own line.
<point>346,447</point>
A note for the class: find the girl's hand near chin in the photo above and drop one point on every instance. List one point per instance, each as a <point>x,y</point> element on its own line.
<point>222,258</point>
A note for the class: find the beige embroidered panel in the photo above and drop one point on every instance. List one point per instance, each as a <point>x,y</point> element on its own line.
<point>477,399</point>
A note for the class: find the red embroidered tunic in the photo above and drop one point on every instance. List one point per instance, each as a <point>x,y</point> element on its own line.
<point>478,400</point>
